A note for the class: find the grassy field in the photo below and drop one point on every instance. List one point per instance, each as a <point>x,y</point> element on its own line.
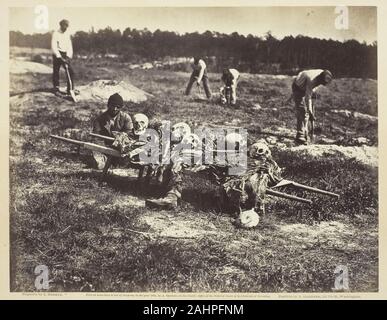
<point>101,237</point>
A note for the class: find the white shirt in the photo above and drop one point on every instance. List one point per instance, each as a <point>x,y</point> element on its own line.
<point>235,74</point>
<point>305,80</point>
<point>201,66</point>
<point>61,41</point>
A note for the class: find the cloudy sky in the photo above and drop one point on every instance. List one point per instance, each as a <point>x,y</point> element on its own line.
<point>281,21</point>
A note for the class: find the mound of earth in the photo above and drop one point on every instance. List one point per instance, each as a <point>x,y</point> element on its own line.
<point>264,76</point>
<point>19,67</point>
<point>103,89</point>
<point>355,115</point>
<point>364,154</point>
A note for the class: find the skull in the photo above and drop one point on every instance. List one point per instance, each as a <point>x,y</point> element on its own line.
<point>235,141</point>
<point>140,123</point>
<point>248,218</point>
<point>179,131</point>
<point>193,141</point>
<point>260,151</point>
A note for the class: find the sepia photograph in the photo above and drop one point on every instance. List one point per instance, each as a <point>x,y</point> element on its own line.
<point>203,150</point>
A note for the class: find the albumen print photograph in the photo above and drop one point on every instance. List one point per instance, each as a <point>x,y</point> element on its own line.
<point>193,149</point>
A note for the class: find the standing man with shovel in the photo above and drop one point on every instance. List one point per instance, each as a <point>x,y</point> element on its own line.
<point>304,87</point>
<point>62,49</point>
<point>199,74</point>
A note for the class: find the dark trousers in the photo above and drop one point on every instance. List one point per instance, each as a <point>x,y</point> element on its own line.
<point>192,80</point>
<point>57,63</point>
<point>172,178</point>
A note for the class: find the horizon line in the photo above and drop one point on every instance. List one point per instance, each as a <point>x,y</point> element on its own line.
<point>211,31</point>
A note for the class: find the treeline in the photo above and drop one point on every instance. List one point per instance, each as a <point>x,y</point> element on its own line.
<point>247,53</point>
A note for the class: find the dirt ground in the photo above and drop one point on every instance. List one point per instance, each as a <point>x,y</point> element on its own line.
<point>100,237</point>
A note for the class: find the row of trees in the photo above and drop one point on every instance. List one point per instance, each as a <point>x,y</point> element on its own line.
<point>248,53</point>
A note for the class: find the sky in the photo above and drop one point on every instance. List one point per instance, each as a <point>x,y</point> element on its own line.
<point>316,22</point>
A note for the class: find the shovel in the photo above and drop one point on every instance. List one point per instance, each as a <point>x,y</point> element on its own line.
<point>72,93</point>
